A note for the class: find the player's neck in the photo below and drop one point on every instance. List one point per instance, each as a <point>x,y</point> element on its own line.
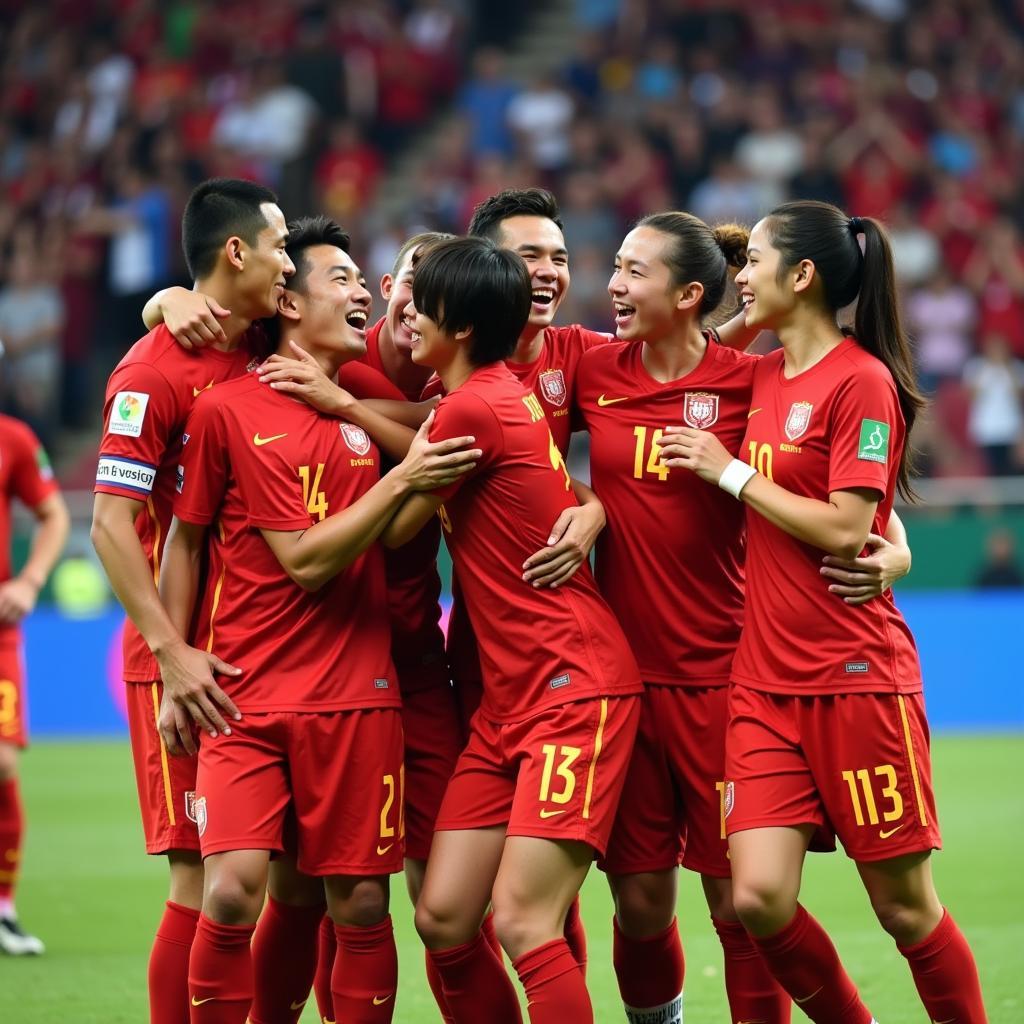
<point>457,372</point>
<point>806,339</point>
<point>674,356</point>
<point>399,368</point>
<point>529,345</point>
<point>328,360</point>
<point>233,326</point>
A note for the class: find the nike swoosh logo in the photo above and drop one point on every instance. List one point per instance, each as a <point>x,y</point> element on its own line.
<point>753,412</point>
<point>199,1002</point>
<point>602,401</point>
<point>885,833</point>
<point>196,392</point>
<point>261,441</point>
<point>381,1000</point>
<point>299,1006</point>
<point>381,850</point>
<point>952,1020</point>
<point>800,1002</point>
<point>550,814</point>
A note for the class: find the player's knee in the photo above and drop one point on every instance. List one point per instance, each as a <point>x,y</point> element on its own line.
<point>231,898</point>
<point>762,908</point>
<point>8,762</point>
<point>907,922</point>
<point>520,929</point>
<point>442,928</point>
<point>644,905</point>
<point>365,905</point>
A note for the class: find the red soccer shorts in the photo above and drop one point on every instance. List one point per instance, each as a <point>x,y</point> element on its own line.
<point>672,807</point>
<point>433,741</point>
<point>857,763</point>
<point>13,706</point>
<point>339,773</point>
<point>166,784</point>
<point>558,775</point>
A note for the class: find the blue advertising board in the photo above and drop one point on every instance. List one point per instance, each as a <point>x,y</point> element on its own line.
<point>967,642</point>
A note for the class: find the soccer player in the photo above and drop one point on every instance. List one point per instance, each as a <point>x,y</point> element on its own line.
<point>670,276</point>
<point>826,716</point>
<point>25,474</point>
<point>291,501</point>
<point>234,236</point>
<point>535,789</point>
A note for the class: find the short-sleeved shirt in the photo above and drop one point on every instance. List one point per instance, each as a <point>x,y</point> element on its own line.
<point>671,543</point>
<point>837,426</point>
<point>255,460</point>
<point>148,399</point>
<point>25,474</point>
<point>414,586</point>
<point>538,647</point>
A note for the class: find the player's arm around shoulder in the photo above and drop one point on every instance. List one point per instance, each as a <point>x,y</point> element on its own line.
<point>314,556</point>
<point>193,318</point>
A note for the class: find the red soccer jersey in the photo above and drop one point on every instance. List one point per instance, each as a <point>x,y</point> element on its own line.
<point>257,459</point>
<point>670,560</point>
<point>414,587</point>
<point>148,399</point>
<point>836,426</point>
<point>538,648</point>
<point>25,474</point>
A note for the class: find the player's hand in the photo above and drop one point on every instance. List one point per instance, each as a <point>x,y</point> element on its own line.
<point>858,580</point>
<point>569,546</point>
<point>188,678</point>
<point>193,318</point>
<point>430,465</point>
<point>697,450</point>
<point>175,727</point>
<point>17,599</point>
<point>303,378</point>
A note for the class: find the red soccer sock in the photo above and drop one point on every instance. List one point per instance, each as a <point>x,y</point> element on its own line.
<point>476,987</point>
<point>491,936</point>
<point>576,935</point>
<point>556,991</point>
<point>650,974</point>
<point>284,952</point>
<point>753,992</point>
<point>168,965</point>
<point>945,975</point>
<point>12,829</point>
<point>326,954</point>
<point>365,979</point>
<point>437,988</point>
<point>220,973</point>
<point>806,965</point>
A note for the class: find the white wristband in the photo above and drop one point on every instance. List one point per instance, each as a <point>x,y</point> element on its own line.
<point>735,477</point>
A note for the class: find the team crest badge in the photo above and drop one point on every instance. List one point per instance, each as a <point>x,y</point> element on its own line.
<point>356,438</point>
<point>730,798</point>
<point>197,813</point>
<point>552,386</point>
<point>700,409</point>
<point>798,420</point>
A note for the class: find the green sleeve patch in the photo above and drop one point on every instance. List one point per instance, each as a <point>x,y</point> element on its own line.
<point>874,441</point>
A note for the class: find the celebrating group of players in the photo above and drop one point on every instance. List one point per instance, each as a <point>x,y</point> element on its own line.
<point>734,687</point>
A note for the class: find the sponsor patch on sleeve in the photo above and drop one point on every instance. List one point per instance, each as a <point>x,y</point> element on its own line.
<point>874,441</point>
<point>125,473</point>
<point>128,413</point>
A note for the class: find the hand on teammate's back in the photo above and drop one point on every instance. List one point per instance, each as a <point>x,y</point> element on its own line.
<point>191,694</point>
<point>858,580</point>
<point>303,378</point>
<point>430,465</point>
<point>569,546</point>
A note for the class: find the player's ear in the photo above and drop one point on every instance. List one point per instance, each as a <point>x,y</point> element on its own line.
<point>461,336</point>
<point>805,274</point>
<point>690,295</point>
<point>234,250</point>
<point>387,284</point>
<point>288,306</point>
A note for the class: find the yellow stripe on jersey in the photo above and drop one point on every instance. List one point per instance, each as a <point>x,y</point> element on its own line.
<point>164,767</point>
<point>216,593</point>
<point>922,813</point>
<point>598,741</point>
<point>156,540</point>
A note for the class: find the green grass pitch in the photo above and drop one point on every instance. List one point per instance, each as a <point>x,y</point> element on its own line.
<point>94,897</point>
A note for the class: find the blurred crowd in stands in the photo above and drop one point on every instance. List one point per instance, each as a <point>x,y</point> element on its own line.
<point>908,110</point>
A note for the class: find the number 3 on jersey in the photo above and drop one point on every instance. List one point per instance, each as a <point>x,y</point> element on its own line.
<point>313,498</point>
